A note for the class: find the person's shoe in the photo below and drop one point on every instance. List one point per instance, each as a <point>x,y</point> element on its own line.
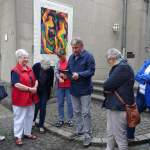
<point>59,124</point>
<point>2,138</point>
<point>42,130</point>
<point>87,142</point>
<point>30,137</point>
<point>131,139</point>
<point>69,123</point>
<point>75,135</point>
<point>19,142</point>
<point>33,124</point>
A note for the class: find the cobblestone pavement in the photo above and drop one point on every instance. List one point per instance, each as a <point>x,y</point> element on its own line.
<point>46,141</point>
<point>98,120</point>
<point>49,141</point>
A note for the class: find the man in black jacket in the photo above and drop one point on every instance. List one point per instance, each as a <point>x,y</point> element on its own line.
<point>121,80</point>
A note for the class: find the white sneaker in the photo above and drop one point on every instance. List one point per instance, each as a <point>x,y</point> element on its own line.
<point>2,138</point>
<point>33,124</point>
<point>42,130</point>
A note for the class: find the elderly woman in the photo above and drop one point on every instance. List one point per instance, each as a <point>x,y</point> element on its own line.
<point>24,87</point>
<point>45,76</point>
<point>121,80</point>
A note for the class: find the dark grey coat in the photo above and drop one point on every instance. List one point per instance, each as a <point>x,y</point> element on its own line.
<point>121,79</point>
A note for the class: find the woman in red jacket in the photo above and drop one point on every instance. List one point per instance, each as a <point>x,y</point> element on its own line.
<point>63,90</point>
<point>24,87</point>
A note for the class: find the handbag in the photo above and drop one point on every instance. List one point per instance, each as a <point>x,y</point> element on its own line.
<point>3,92</point>
<point>133,115</point>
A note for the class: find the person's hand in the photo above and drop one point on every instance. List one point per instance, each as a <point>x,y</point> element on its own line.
<point>61,80</point>
<point>33,90</point>
<point>75,76</point>
<point>62,75</point>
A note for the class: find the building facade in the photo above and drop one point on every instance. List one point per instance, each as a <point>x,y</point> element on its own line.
<point>93,21</point>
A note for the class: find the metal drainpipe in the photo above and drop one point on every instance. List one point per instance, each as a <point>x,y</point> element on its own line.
<point>147,28</point>
<point>124,27</point>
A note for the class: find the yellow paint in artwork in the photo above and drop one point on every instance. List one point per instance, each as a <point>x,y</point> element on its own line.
<point>61,32</point>
<point>49,24</point>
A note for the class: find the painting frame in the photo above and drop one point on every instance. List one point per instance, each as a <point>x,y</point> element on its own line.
<point>56,6</point>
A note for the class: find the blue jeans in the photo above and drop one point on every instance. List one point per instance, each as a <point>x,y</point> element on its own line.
<point>43,96</point>
<point>62,94</point>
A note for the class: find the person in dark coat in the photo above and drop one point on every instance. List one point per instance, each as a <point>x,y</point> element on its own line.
<point>121,80</point>
<point>81,68</point>
<point>45,76</point>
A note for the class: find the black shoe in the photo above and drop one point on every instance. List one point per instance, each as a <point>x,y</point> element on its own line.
<point>69,123</point>
<point>59,124</point>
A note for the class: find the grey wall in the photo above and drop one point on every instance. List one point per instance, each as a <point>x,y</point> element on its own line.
<point>24,24</point>
<point>0,31</point>
<point>136,31</point>
<point>7,27</point>
<point>92,21</point>
<point>147,41</point>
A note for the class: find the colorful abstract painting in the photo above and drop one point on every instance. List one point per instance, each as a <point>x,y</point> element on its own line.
<point>54,31</point>
<point>53,25</point>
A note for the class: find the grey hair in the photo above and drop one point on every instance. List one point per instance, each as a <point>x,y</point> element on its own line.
<point>76,41</point>
<point>21,52</point>
<point>45,62</point>
<point>113,53</point>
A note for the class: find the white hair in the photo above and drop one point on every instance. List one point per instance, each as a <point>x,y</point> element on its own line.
<point>45,62</point>
<point>21,52</point>
<point>113,53</point>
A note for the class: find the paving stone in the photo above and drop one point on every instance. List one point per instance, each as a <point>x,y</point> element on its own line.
<point>51,141</point>
<point>98,120</point>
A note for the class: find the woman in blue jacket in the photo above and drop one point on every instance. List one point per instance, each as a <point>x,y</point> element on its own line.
<point>143,78</point>
<point>143,94</point>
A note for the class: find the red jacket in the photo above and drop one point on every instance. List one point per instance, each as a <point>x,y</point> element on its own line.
<point>26,77</point>
<point>62,66</point>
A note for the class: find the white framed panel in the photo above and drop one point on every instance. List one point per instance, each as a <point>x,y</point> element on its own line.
<point>57,7</point>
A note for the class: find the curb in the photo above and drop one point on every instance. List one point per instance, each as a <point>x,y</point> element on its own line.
<point>67,135</point>
<point>140,139</point>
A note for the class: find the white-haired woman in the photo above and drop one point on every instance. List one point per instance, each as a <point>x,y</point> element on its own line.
<point>120,80</point>
<point>45,76</point>
<point>24,87</point>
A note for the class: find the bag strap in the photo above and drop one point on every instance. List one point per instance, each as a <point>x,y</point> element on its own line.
<point>120,98</point>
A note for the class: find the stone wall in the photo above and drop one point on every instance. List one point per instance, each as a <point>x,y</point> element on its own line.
<point>92,21</point>
<point>8,37</point>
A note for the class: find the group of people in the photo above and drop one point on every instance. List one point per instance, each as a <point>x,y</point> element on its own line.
<point>31,88</point>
